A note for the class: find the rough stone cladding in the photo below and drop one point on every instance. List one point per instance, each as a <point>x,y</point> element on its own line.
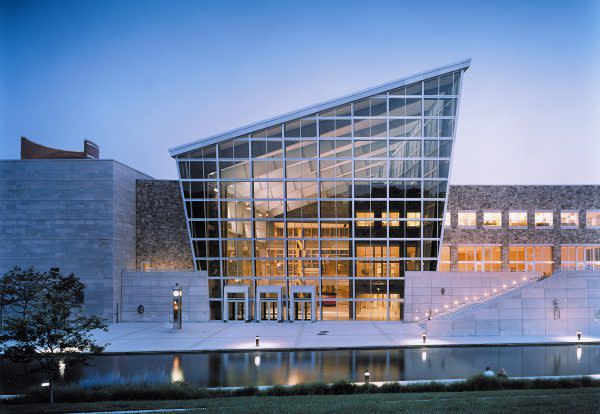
<point>161,232</point>
<point>528,198</point>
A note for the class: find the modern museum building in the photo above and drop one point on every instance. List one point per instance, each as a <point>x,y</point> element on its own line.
<point>337,211</point>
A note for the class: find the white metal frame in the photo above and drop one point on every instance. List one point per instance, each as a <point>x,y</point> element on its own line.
<point>313,301</point>
<point>352,161</point>
<point>243,289</point>
<point>258,300</point>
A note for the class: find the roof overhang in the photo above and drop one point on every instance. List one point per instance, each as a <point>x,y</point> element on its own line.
<point>300,113</point>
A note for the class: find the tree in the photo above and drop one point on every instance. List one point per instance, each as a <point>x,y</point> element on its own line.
<point>44,322</point>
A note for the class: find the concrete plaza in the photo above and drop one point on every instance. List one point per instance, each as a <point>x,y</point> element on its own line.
<point>238,336</point>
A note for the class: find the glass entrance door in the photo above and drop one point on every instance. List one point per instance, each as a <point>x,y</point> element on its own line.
<point>269,310</point>
<point>303,310</point>
<point>236,310</point>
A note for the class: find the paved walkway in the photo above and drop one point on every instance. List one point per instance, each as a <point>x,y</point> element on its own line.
<point>220,336</point>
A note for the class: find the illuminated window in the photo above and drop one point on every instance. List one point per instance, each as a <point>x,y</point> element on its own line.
<point>467,219</point>
<point>413,215</point>
<point>580,257</point>
<point>492,219</point>
<point>393,219</point>
<point>444,264</point>
<point>569,219</point>
<point>447,219</point>
<point>592,219</point>
<point>543,219</point>
<point>479,259</point>
<point>517,218</point>
<point>364,215</point>
<point>530,259</point>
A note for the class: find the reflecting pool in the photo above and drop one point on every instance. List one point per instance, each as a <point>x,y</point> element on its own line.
<point>214,369</point>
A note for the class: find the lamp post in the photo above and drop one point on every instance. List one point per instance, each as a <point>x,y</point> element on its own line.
<point>424,336</point>
<point>177,294</point>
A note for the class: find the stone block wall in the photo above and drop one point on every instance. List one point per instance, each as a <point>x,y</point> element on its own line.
<point>530,310</point>
<point>153,290</point>
<point>438,292</point>
<point>77,215</point>
<point>161,234</point>
<point>528,198</point>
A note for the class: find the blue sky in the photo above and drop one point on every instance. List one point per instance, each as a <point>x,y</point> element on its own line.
<point>139,77</point>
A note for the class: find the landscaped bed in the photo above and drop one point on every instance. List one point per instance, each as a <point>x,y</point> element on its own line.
<point>538,401</point>
<point>87,396</point>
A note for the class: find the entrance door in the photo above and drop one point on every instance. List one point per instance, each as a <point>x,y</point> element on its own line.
<point>236,305</point>
<point>268,303</point>
<point>236,311</point>
<point>269,310</point>
<point>303,309</point>
<point>302,303</point>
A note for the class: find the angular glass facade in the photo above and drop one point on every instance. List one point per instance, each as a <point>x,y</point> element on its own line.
<point>342,201</point>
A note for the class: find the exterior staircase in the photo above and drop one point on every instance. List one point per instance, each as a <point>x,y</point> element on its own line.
<point>465,307</point>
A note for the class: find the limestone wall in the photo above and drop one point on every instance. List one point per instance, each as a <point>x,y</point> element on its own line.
<point>77,215</point>
<point>530,310</point>
<point>153,290</point>
<point>440,292</point>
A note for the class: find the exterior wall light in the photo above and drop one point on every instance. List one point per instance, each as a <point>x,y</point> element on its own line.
<point>257,360</point>
<point>367,376</point>
<point>578,352</point>
<point>257,340</point>
<point>45,384</point>
<point>424,337</point>
<point>177,294</point>
<point>424,356</point>
<point>579,335</point>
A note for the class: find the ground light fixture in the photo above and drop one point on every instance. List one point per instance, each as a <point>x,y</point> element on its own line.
<point>579,335</point>
<point>424,337</point>
<point>367,375</point>
<point>257,340</point>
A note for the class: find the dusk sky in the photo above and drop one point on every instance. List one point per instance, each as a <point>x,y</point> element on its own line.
<point>139,77</point>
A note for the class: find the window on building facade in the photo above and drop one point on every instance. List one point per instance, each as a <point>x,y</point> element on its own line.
<point>447,219</point>
<point>444,265</point>
<point>517,219</point>
<point>467,219</point>
<point>479,259</point>
<point>580,257</point>
<point>530,259</point>
<point>592,219</point>
<point>492,219</point>
<point>340,200</point>
<point>569,219</point>
<point>543,219</point>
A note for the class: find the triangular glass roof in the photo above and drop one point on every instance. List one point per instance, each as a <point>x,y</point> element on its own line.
<point>324,106</point>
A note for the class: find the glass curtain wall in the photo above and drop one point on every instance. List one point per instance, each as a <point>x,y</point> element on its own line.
<point>345,200</point>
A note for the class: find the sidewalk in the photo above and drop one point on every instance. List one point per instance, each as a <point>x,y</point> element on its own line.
<point>239,336</point>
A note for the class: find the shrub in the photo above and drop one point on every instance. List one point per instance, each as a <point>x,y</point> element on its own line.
<point>342,387</point>
<point>483,383</point>
<point>391,387</point>
<point>277,390</point>
<point>146,387</point>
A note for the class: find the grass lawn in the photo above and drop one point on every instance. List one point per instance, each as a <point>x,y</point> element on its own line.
<point>573,400</point>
